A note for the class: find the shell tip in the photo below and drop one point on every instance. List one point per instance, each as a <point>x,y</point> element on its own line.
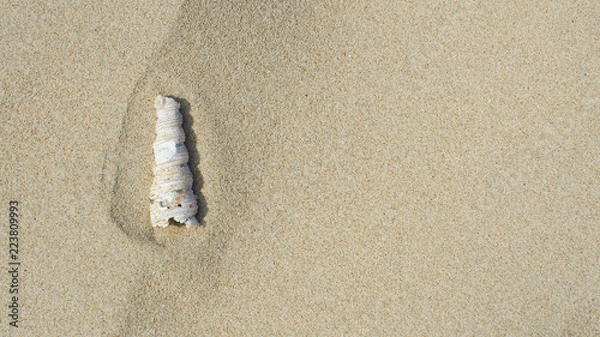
<point>159,102</point>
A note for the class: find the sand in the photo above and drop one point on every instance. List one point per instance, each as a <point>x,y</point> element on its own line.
<point>364,168</point>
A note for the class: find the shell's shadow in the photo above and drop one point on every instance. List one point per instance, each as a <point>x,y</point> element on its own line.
<point>194,162</point>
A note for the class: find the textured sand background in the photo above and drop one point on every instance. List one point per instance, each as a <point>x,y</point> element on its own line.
<point>365,169</point>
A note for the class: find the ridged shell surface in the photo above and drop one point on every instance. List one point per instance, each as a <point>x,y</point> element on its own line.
<point>171,194</point>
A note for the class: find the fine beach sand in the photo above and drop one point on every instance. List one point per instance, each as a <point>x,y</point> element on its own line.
<point>364,168</point>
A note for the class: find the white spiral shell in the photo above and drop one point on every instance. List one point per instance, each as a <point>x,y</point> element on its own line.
<point>171,194</point>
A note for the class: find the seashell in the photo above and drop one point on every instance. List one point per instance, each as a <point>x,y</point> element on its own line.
<point>171,194</point>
